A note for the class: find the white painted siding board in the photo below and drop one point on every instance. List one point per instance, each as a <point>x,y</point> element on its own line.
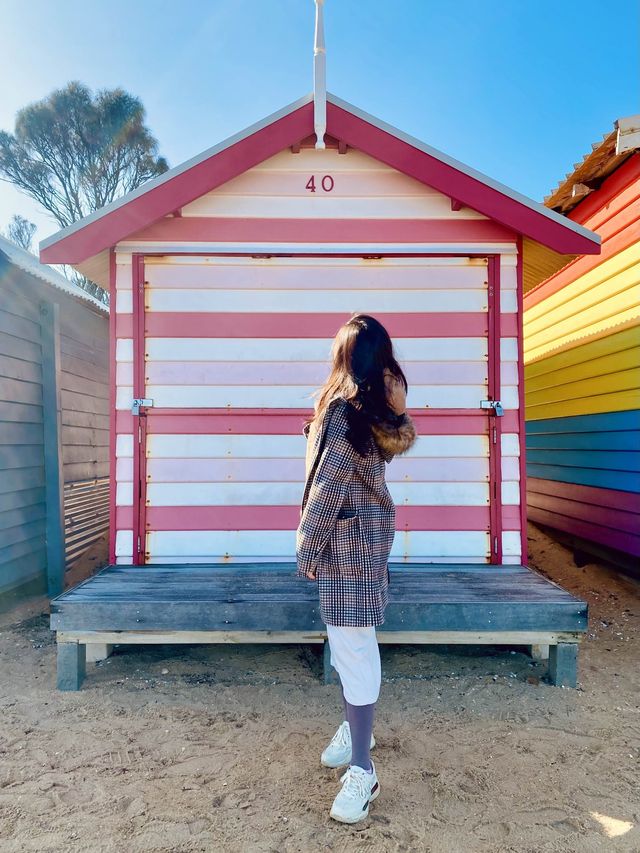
<point>124,493</point>
<point>226,561</point>
<point>508,373</point>
<point>124,397</point>
<point>124,280</point>
<point>124,349</point>
<point>124,543</point>
<point>510,468</point>
<point>283,469</point>
<point>180,446</point>
<point>124,373</point>
<point>299,273</point>
<point>509,349</point>
<point>510,493</point>
<point>290,494</point>
<point>315,301</point>
<point>261,544</point>
<point>124,445</point>
<point>292,396</point>
<point>307,372</point>
<point>124,301</point>
<point>510,444</point>
<point>124,470</point>
<point>511,544</point>
<point>330,205</point>
<point>298,349</point>
<point>508,302</point>
<point>509,397</point>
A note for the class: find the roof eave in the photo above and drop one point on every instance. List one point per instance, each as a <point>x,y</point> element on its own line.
<point>587,241</point>
<point>29,264</point>
<point>165,178</point>
<point>213,167</point>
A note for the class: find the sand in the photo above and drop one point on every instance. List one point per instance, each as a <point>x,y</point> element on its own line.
<point>205,748</point>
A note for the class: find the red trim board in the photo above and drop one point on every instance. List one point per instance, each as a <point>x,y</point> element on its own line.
<point>287,518</point>
<point>524,542</point>
<point>494,421</point>
<point>112,407</point>
<point>289,421</point>
<point>283,325</point>
<point>206,229</point>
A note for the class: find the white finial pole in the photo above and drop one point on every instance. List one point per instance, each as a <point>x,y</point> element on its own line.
<point>319,78</point>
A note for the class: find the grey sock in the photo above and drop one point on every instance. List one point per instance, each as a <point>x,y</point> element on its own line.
<point>361,725</point>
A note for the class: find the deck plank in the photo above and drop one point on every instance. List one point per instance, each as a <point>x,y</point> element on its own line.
<point>209,597</point>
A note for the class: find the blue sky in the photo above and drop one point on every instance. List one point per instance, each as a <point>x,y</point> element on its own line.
<point>518,89</point>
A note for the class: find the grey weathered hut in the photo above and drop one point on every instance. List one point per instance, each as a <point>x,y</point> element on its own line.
<point>54,425</point>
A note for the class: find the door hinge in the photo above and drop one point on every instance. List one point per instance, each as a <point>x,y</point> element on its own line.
<point>139,402</point>
<point>496,405</point>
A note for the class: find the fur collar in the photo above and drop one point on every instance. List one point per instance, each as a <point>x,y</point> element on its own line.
<point>391,438</point>
<point>394,438</point>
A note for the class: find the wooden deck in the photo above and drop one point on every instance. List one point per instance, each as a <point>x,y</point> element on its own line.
<point>213,603</point>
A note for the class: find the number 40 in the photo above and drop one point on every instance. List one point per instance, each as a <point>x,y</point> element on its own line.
<point>327,183</point>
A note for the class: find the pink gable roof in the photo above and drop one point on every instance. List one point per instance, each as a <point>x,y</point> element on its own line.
<point>288,126</point>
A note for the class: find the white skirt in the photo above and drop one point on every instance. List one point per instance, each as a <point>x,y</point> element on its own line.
<point>356,657</point>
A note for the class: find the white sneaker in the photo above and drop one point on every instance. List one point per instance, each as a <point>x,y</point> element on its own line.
<point>338,752</point>
<point>359,788</point>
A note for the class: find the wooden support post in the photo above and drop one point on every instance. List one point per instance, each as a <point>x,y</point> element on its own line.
<point>330,675</point>
<point>563,664</point>
<point>539,651</point>
<point>71,665</point>
<point>98,651</point>
<point>53,470</point>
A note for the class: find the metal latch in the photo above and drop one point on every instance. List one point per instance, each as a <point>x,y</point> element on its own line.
<point>496,405</point>
<point>140,401</point>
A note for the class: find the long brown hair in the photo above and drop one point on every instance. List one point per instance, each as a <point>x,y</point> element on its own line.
<point>361,352</point>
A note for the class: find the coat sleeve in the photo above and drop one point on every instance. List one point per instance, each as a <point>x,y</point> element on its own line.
<point>326,495</point>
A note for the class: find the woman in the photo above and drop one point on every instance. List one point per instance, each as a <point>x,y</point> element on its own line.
<point>346,530</point>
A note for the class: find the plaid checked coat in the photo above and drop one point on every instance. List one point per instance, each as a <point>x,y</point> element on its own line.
<point>347,521</point>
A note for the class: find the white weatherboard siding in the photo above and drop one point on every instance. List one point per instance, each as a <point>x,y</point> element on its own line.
<point>300,396</point>
<point>443,469</point>
<point>315,301</point>
<point>124,543</point>
<point>178,446</point>
<point>280,544</point>
<point>301,273</point>
<point>362,188</point>
<point>289,350</point>
<point>290,494</point>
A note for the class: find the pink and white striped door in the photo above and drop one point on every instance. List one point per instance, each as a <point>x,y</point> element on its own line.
<point>231,348</point>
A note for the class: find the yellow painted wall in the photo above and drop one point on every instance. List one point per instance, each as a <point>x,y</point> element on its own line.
<point>598,301</point>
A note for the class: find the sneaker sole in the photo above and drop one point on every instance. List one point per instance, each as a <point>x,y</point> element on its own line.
<point>333,766</point>
<point>342,819</point>
<point>365,813</point>
<point>344,763</point>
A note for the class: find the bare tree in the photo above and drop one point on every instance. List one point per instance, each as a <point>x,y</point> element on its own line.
<point>20,231</point>
<point>74,152</point>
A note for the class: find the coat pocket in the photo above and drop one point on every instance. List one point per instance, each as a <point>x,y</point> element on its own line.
<point>349,549</point>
